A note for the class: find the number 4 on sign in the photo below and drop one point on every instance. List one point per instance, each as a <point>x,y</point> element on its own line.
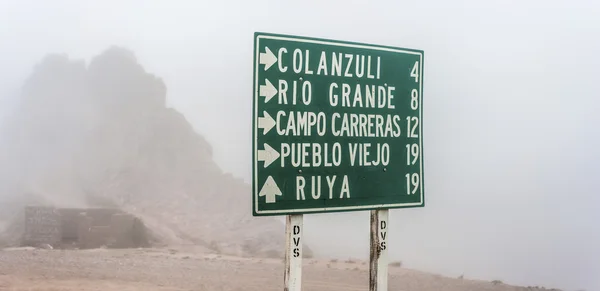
<point>415,71</point>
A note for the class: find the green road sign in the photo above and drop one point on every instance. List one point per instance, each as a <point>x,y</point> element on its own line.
<point>337,126</point>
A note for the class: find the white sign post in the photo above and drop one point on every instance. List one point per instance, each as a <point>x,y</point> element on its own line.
<point>292,277</point>
<point>378,268</point>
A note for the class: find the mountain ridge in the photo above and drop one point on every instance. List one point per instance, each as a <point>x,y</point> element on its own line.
<point>102,132</point>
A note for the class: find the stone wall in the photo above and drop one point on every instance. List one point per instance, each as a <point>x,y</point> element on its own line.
<point>42,226</point>
<point>83,228</point>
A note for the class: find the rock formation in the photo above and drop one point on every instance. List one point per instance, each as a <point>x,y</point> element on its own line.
<point>101,135</point>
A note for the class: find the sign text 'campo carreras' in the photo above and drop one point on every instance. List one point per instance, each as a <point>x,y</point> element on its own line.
<point>337,126</point>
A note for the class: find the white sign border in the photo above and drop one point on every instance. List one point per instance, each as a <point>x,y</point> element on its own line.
<point>255,125</point>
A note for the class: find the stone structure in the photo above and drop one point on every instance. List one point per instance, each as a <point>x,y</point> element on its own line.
<point>42,226</point>
<point>83,228</point>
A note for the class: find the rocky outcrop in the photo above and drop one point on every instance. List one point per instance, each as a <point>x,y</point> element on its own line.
<point>101,135</point>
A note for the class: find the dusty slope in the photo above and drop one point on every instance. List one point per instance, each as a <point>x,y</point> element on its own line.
<point>101,135</point>
<point>187,270</point>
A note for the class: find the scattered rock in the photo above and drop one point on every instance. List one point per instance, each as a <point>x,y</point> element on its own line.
<point>46,247</point>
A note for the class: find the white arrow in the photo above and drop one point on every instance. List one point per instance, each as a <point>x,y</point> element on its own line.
<point>267,58</point>
<point>270,190</point>
<point>269,155</point>
<point>266,123</point>
<point>267,90</point>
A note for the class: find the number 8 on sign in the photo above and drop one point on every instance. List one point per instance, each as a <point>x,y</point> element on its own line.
<point>414,99</point>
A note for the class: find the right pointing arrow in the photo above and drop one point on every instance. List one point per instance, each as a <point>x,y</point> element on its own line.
<point>269,155</point>
<point>270,190</point>
<point>267,58</point>
<point>266,123</point>
<point>267,90</point>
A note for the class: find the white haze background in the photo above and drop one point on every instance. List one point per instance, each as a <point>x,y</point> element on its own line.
<point>511,122</point>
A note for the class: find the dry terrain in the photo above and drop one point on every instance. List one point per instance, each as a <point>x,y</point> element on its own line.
<point>169,269</point>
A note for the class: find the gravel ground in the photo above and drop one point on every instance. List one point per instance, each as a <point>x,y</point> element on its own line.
<point>153,269</point>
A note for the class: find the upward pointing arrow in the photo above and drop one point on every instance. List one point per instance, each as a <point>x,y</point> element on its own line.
<point>269,155</point>
<point>267,58</point>
<point>266,123</point>
<point>267,90</point>
<point>270,190</point>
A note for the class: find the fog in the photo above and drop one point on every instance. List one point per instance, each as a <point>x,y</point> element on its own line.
<point>510,119</point>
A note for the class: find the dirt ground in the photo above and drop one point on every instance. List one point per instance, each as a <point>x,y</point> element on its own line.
<point>169,269</point>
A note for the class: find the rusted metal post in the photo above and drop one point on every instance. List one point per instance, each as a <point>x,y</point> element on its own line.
<point>292,277</point>
<point>378,268</point>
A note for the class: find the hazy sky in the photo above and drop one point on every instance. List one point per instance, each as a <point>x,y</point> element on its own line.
<point>511,113</point>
